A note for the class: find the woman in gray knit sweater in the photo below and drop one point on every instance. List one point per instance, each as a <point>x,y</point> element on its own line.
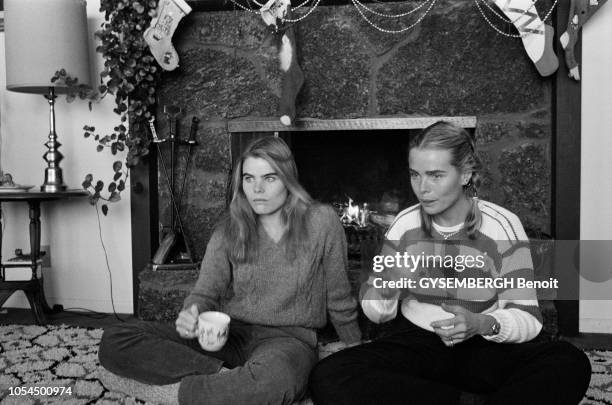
<point>277,266</point>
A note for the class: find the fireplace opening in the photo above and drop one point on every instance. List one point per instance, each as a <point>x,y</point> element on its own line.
<point>368,167</point>
<point>361,160</point>
<point>350,169</point>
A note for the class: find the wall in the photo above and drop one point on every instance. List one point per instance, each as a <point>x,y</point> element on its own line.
<point>78,276</point>
<point>596,186</point>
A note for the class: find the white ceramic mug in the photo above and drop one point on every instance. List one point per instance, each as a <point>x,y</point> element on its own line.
<point>213,329</point>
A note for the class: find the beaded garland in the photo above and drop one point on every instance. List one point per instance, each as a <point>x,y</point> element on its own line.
<point>362,9</point>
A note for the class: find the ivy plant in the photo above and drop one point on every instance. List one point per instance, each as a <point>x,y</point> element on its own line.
<point>130,75</point>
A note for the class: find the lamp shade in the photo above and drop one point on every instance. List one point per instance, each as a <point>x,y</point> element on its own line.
<point>42,37</point>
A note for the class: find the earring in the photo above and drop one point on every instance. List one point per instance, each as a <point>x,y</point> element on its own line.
<point>470,188</point>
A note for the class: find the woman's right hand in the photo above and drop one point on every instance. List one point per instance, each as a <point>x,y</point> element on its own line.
<point>187,322</point>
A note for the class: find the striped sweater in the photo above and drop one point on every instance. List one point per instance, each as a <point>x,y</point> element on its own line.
<point>499,252</point>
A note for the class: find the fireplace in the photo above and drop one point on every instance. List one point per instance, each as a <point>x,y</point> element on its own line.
<point>358,83</point>
<point>370,84</point>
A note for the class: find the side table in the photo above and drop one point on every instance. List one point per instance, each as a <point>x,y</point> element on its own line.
<point>32,288</point>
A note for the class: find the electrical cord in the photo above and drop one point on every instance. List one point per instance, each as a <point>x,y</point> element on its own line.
<point>110,274</point>
<point>95,314</point>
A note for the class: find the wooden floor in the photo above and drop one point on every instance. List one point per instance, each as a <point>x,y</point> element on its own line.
<point>8,316</point>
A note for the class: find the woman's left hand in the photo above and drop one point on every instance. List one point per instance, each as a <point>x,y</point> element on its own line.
<point>461,327</point>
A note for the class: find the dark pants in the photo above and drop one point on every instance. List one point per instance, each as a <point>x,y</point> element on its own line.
<point>409,365</point>
<point>268,365</point>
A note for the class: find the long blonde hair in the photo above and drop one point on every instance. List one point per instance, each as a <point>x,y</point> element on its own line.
<point>242,225</point>
<point>444,135</point>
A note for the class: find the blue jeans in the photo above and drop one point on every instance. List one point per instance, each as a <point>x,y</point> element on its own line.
<point>269,365</point>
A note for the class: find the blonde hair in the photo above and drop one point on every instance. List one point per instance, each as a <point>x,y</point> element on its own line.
<point>444,135</point>
<point>242,225</point>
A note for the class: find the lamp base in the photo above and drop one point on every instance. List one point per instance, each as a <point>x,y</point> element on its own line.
<point>52,188</point>
<point>53,180</point>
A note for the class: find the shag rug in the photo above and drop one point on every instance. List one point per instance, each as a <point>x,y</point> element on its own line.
<point>34,359</point>
<point>64,357</point>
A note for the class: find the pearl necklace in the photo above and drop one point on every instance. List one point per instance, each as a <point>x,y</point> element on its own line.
<point>448,235</point>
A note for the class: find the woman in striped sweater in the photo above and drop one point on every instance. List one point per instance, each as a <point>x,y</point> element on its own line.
<point>474,333</point>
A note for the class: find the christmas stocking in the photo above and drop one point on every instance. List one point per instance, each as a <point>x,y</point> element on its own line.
<point>159,34</point>
<point>273,13</point>
<point>537,37</point>
<point>580,12</point>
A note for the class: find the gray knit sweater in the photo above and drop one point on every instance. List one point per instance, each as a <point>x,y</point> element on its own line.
<point>274,291</point>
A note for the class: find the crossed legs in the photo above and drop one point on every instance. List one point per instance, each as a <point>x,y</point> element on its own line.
<point>268,365</point>
<point>412,366</point>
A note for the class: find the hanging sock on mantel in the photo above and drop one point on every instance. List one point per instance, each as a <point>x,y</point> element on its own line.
<point>580,12</point>
<point>274,13</point>
<point>159,34</point>
<point>537,36</point>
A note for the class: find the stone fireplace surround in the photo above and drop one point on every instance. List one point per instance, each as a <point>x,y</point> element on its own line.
<point>451,65</point>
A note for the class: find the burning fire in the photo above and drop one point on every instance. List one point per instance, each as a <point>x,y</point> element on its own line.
<point>355,215</point>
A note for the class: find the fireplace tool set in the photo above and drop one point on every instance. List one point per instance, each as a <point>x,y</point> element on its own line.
<point>174,252</point>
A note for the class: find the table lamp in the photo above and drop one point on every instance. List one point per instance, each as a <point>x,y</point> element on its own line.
<point>42,37</point>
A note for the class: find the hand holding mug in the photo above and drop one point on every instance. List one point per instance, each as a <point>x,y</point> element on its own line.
<point>213,329</point>
<point>187,322</point>
<point>461,327</point>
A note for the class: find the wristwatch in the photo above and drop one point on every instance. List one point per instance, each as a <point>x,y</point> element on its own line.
<point>494,328</point>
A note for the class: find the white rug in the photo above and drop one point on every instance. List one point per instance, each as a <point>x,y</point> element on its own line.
<point>600,389</point>
<point>34,358</point>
